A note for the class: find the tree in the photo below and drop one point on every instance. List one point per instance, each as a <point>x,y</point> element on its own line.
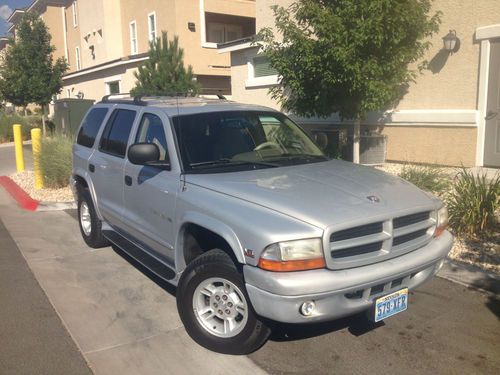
<point>29,74</point>
<point>164,72</point>
<point>347,56</point>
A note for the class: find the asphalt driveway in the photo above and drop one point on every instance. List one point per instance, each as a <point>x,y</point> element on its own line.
<point>124,320</point>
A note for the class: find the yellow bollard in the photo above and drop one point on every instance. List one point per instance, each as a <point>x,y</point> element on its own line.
<point>36,143</point>
<point>18,145</point>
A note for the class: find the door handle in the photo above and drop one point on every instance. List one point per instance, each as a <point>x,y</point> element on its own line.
<point>92,168</point>
<point>128,180</point>
<point>490,115</point>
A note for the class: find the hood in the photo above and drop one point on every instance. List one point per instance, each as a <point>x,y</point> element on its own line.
<point>322,194</point>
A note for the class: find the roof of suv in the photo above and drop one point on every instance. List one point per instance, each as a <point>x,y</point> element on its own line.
<point>174,106</point>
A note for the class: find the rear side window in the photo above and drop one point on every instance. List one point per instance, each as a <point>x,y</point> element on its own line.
<point>90,127</point>
<point>115,136</point>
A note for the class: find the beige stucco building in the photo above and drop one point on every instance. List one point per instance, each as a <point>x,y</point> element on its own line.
<point>104,41</point>
<point>447,116</point>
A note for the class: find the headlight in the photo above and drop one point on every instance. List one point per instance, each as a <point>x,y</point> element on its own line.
<point>297,255</point>
<point>442,221</point>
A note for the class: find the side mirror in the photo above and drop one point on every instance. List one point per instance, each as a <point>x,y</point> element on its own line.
<point>142,153</point>
<point>147,154</point>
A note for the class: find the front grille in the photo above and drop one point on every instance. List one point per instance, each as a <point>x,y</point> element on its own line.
<point>403,221</point>
<point>380,240</point>
<point>408,237</point>
<point>363,230</point>
<point>357,250</point>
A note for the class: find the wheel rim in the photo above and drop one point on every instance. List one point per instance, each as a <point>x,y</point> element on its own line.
<point>220,307</point>
<point>85,220</point>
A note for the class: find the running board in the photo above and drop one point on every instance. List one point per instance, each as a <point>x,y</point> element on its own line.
<point>143,257</point>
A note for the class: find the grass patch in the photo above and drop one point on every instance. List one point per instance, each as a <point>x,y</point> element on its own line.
<point>56,161</point>
<point>6,122</point>
<point>427,178</point>
<point>472,204</point>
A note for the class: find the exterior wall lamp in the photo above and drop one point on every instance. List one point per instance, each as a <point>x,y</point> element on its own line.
<point>451,43</point>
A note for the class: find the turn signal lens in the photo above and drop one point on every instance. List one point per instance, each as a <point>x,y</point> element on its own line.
<point>442,221</point>
<point>293,256</point>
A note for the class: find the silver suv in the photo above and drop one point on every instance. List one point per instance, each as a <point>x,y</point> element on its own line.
<point>236,206</point>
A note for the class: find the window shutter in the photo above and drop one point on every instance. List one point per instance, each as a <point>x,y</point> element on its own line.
<point>262,67</point>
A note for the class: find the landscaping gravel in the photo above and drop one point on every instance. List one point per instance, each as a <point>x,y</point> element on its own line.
<point>26,181</point>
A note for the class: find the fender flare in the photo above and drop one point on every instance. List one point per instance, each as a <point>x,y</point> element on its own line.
<point>214,225</point>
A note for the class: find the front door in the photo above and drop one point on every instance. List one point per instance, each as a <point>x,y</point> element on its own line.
<point>150,195</point>
<point>492,130</point>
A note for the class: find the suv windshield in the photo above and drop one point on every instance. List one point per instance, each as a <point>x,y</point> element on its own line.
<point>225,141</point>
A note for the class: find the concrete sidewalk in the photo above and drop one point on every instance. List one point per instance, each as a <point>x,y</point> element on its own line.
<point>122,321</point>
<point>33,338</point>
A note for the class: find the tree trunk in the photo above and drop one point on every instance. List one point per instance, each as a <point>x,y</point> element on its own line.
<point>355,141</point>
<point>43,121</point>
<point>25,111</point>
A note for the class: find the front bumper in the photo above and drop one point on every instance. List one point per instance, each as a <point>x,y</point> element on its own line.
<point>278,296</point>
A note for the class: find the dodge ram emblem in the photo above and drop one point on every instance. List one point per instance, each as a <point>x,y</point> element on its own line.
<point>373,198</point>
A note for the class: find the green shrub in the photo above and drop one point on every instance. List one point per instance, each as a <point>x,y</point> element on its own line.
<point>426,178</point>
<point>6,122</point>
<point>56,161</point>
<point>472,203</point>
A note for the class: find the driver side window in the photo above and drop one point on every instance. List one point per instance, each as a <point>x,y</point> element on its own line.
<point>151,131</point>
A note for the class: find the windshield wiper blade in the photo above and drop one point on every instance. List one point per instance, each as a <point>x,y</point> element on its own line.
<point>303,156</point>
<point>211,163</point>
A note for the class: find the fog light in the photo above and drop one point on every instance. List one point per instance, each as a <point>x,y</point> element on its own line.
<point>308,308</point>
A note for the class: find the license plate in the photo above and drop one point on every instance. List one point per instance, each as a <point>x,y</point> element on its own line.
<point>391,304</point>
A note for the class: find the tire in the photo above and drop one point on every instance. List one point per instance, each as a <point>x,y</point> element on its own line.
<point>89,223</point>
<point>238,330</point>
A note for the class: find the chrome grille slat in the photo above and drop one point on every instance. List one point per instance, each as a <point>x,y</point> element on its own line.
<point>380,240</point>
<point>359,241</point>
<point>412,228</point>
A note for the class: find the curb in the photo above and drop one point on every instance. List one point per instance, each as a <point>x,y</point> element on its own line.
<point>24,200</point>
<point>21,197</point>
<point>470,276</point>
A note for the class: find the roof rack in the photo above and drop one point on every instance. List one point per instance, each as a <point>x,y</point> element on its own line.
<point>141,99</point>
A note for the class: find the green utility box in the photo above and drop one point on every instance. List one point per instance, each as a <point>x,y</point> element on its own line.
<point>68,113</point>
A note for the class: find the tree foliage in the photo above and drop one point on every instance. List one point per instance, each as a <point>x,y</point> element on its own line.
<point>29,74</point>
<point>347,56</point>
<point>164,72</point>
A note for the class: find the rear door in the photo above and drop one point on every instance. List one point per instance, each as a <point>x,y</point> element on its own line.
<point>108,162</point>
<point>151,193</point>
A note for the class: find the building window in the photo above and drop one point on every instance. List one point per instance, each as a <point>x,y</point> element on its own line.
<point>152,26</point>
<point>133,38</point>
<point>260,72</point>
<point>112,87</point>
<point>75,14</point>
<point>77,58</point>
<point>220,33</point>
<point>68,93</point>
<point>262,67</point>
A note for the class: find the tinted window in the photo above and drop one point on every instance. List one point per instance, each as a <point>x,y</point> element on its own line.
<point>151,131</point>
<point>90,127</point>
<point>115,137</point>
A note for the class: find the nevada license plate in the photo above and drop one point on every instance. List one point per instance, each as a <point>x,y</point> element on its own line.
<point>391,304</point>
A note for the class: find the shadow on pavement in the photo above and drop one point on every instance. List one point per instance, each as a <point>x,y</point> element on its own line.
<point>357,325</point>
<point>145,271</point>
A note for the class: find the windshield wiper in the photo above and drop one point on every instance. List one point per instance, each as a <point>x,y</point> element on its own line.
<point>302,156</point>
<point>219,162</point>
